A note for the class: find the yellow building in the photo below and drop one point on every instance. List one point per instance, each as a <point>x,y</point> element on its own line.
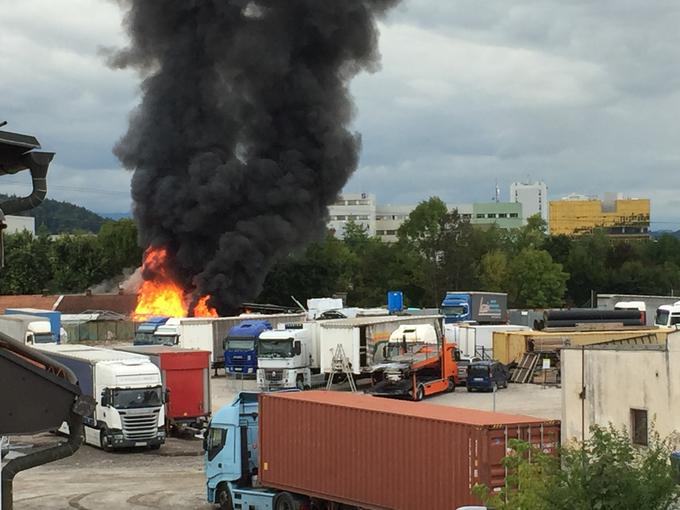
<point>616,216</point>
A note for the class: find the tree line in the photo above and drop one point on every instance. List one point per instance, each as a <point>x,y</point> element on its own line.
<point>437,250</point>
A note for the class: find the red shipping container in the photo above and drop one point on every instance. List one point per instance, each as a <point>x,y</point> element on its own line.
<point>387,454</point>
<point>186,375</point>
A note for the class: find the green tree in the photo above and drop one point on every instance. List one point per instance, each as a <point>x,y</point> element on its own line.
<point>535,281</point>
<point>494,271</point>
<point>27,265</point>
<point>606,472</point>
<point>117,241</point>
<point>77,263</point>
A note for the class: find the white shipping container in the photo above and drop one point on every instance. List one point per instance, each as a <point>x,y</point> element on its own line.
<point>473,340</point>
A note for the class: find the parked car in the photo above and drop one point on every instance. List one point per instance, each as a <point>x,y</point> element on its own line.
<point>486,375</point>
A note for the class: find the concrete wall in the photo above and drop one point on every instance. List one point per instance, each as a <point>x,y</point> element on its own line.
<point>616,381</point>
<point>16,224</point>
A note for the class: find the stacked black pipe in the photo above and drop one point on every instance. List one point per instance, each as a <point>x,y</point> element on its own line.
<point>573,317</point>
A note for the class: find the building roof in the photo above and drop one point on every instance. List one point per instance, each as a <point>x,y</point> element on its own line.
<point>28,301</point>
<point>406,408</point>
<point>123,304</point>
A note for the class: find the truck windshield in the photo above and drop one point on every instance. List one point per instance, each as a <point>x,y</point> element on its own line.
<point>43,338</point>
<point>275,348</point>
<point>454,310</point>
<point>144,338</point>
<point>478,371</point>
<point>397,348</point>
<point>240,344</point>
<point>165,339</point>
<point>662,317</point>
<point>136,397</point>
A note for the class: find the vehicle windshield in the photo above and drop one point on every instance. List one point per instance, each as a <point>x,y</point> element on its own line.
<point>240,344</point>
<point>137,397</point>
<point>43,338</point>
<point>165,339</point>
<point>478,371</point>
<point>662,317</point>
<point>144,338</point>
<point>275,348</point>
<point>397,348</point>
<point>454,310</point>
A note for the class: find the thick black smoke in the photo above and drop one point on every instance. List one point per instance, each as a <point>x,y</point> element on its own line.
<point>241,139</point>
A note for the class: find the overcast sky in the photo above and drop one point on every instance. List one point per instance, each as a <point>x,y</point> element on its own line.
<point>584,95</point>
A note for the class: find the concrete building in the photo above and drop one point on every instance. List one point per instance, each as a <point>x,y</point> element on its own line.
<point>533,196</point>
<point>619,217</point>
<point>629,386</point>
<point>384,220</point>
<point>357,207</point>
<point>16,224</point>
<point>504,214</point>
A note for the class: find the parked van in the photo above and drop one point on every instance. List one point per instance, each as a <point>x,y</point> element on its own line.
<point>486,375</point>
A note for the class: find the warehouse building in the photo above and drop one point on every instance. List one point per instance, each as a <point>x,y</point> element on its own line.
<point>629,386</point>
<point>619,217</point>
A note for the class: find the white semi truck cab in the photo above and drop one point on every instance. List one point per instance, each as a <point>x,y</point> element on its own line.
<point>668,315</point>
<point>288,357</point>
<point>27,329</point>
<point>128,391</point>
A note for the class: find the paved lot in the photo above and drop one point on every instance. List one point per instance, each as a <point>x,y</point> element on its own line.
<point>172,477</point>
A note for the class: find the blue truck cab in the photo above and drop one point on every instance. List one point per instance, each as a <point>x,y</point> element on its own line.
<point>240,347</point>
<point>232,456</point>
<point>145,332</point>
<point>475,306</point>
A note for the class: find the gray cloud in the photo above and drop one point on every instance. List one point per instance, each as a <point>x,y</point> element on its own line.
<point>582,94</point>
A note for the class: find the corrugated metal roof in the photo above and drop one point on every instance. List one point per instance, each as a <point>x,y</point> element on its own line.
<point>415,409</point>
<point>369,321</point>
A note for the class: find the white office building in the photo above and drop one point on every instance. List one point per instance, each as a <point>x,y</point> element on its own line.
<point>357,207</point>
<point>533,196</point>
<point>16,224</point>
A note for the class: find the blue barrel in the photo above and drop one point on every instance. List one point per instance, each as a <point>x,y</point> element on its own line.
<point>395,301</point>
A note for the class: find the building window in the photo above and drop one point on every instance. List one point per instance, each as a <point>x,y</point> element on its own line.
<point>352,202</point>
<point>341,218</point>
<point>391,232</point>
<point>491,215</point>
<point>502,215</point>
<point>514,215</point>
<point>466,216</point>
<point>380,232</point>
<point>638,426</point>
<point>479,215</point>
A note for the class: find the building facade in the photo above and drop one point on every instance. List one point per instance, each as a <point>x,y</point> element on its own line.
<point>357,207</point>
<point>503,214</point>
<point>16,224</point>
<point>617,216</point>
<point>629,386</point>
<point>533,196</point>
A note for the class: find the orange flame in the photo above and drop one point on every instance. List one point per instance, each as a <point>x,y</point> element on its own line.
<point>163,296</point>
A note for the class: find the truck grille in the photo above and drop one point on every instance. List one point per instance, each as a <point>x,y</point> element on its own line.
<point>273,375</point>
<point>140,427</point>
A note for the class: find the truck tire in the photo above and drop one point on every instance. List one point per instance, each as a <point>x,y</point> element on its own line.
<point>451,386</point>
<point>103,441</point>
<point>300,383</point>
<point>420,393</point>
<point>223,498</point>
<point>285,501</point>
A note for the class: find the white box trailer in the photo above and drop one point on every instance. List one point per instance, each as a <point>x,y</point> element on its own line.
<point>362,338</point>
<point>477,340</point>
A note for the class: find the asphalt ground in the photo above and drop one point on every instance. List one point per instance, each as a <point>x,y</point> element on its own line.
<point>172,477</point>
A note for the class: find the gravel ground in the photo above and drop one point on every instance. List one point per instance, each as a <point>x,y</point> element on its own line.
<point>172,477</point>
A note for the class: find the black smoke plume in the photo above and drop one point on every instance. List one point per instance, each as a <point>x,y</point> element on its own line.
<point>241,139</point>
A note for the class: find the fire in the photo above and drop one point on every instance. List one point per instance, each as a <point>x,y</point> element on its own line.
<point>163,296</point>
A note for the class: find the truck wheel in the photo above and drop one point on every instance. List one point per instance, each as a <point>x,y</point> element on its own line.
<point>104,442</point>
<point>451,386</point>
<point>285,501</point>
<point>300,383</point>
<point>223,498</point>
<point>469,389</point>
<point>420,393</point>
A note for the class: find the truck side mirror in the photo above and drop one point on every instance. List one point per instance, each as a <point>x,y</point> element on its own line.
<point>106,401</point>
<point>298,347</point>
<point>205,440</point>
<point>384,351</point>
<point>166,396</point>
<point>30,338</point>
<point>456,354</point>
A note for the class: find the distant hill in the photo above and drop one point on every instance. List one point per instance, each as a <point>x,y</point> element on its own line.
<point>63,217</point>
<point>659,233</point>
<point>116,215</point>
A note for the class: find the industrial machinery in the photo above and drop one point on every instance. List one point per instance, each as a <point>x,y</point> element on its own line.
<point>36,393</point>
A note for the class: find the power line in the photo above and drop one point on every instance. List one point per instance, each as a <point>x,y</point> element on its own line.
<point>82,189</point>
